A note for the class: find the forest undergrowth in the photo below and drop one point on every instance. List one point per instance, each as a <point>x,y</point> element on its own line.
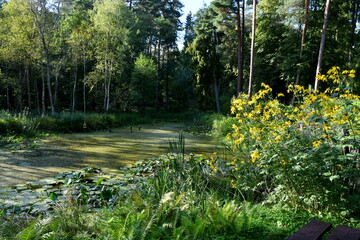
<point>26,128</point>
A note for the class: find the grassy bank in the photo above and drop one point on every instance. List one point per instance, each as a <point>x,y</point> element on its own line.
<point>24,127</point>
<point>184,198</point>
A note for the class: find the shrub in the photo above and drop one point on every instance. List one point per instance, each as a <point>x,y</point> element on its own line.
<point>295,155</point>
<point>17,124</point>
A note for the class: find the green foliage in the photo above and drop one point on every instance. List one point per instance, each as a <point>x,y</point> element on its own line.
<point>10,227</point>
<point>184,197</point>
<point>280,152</point>
<point>78,122</point>
<point>23,125</point>
<point>178,145</point>
<point>69,223</point>
<point>222,126</point>
<point>184,200</point>
<point>143,83</point>
<point>201,123</point>
<point>19,125</point>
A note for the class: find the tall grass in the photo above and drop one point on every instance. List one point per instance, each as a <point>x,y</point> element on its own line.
<point>20,124</point>
<point>25,123</point>
<point>183,199</point>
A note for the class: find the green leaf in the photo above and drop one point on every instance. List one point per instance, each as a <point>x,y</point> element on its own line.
<point>334,177</point>
<point>99,181</point>
<point>53,196</point>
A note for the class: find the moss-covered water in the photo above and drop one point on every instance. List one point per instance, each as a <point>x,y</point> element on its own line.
<point>103,149</point>
<point>32,178</point>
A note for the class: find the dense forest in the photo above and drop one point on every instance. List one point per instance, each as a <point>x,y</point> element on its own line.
<point>91,55</point>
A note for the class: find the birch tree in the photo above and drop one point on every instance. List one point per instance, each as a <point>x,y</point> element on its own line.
<point>303,37</point>
<point>45,26</point>
<point>322,43</point>
<point>19,45</point>
<point>110,19</point>
<point>252,56</point>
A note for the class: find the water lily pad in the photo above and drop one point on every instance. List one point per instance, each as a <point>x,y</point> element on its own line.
<point>42,189</point>
<point>50,181</point>
<point>39,208</point>
<point>21,188</point>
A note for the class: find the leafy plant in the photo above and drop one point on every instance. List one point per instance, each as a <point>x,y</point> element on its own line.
<point>280,152</point>
<point>178,146</point>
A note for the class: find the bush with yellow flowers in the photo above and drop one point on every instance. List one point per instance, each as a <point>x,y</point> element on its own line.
<point>302,156</point>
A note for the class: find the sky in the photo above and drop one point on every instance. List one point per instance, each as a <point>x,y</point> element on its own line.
<point>190,6</point>
<point>193,6</point>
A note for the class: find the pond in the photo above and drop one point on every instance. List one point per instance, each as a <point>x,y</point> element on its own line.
<point>113,149</point>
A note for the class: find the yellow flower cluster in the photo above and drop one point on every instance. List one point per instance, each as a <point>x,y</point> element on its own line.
<point>316,144</point>
<point>255,155</point>
<point>212,162</point>
<point>264,123</point>
<point>336,76</point>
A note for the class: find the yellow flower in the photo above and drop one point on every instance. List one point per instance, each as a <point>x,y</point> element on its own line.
<point>321,78</point>
<point>240,138</point>
<point>277,138</point>
<point>334,70</point>
<point>316,144</point>
<point>340,166</point>
<point>326,136</point>
<point>255,155</point>
<point>233,184</point>
<point>281,95</point>
<point>228,136</point>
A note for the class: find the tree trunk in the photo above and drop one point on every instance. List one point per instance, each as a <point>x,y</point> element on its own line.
<point>41,23</point>
<point>84,97</point>
<point>216,92</point>
<point>74,89</point>
<point>251,75</point>
<point>322,43</point>
<point>242,39</point>
<point>28,86</point>
<point>7,95</point>
<point>107,82</point>
<point>48,80</point>
<point>105,95</point>
<point>42,92</point>
<point>36,95</point>
<point>157,91</point>
<point>303,38</point>
<point>354,17</point>
<point>106,72</point>
<point>239,49</point>
<point>20,94</point>
<point>108,92</point>
<point>84,84</point>
<point>57,74</point>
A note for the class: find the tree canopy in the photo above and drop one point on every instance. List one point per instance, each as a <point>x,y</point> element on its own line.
<point>124,55</point>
